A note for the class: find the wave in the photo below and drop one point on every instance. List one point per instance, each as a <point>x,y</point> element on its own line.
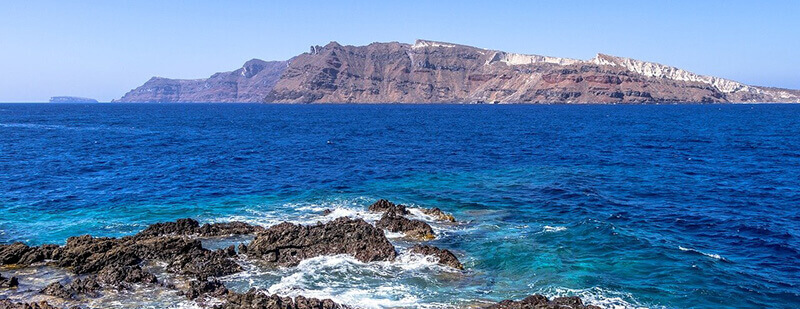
<point>711,255</point>
<point>548,228</point>
<point>598,296</point>
<point>347,280</point>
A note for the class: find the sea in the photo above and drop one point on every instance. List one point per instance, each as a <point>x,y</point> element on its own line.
<point>647,206</point>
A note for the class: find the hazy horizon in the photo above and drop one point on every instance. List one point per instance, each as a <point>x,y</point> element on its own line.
<point>102,50</point>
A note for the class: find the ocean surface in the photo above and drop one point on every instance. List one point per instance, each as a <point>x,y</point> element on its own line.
<point>669,206</point>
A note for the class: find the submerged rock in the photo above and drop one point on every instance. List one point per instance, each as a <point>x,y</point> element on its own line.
<point>8,282</point>
<point>255,299</point>
<point>537,301</point>
<point>74,290</point>
<point>438,214</point>
<point>386,206</point>
<point>411,228</point>
<point>7,304</point>
<point>446,257</point>
<point>185,227</point>
<point>287,244</point>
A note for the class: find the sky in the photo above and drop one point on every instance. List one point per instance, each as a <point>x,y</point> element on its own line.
<point>102,49</point>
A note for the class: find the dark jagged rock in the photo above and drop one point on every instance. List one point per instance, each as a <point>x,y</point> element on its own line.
<point>120,275</point>
<point>82,286</point>
<point>411,228</point>
<point>438,214</point>
<point>255,299</point>
<point>386,206</point>
<point>192,227</point>
<point>7,304</point>
<point>8,282</point>
<point>204,263</point>
<point>213,288</point>
<point>19,253</point>
<point>537,301</point>
<point>287,244</point>
<point>445,256</point>
<point>85,254</point>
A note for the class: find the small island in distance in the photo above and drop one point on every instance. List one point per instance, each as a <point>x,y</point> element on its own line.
<point>67,99</point>
<point>439,72</point>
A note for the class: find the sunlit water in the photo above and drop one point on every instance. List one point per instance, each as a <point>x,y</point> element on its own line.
<point>625,206</point>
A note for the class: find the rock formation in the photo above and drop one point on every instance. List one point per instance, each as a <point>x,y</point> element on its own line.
<point>415,229</point>
<point>287,244</point>
<point>445,257</point>
<point>437,72</point>
<point>540,302</point>
<point>248,84</point>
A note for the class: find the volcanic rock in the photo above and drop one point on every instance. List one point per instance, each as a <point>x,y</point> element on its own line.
<point>192,227</point>
<point>213,288</point>
<point>120,275</point>
<point>255,299</point>
<point>8,282</point>
<point>19,253</point>
<point>82,286</point>
<point>287,244</point>
<point>438,214</point>
<point>445,256</point>
<point>411,228</point>
<point>7,304</point>
<point>537,301</point>
<point>203,264</point>
<point>385,206</point>
<point>248,84</point>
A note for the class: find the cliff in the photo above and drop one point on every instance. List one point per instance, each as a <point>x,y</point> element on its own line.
<point>438,72</point>
<point>250,83</point>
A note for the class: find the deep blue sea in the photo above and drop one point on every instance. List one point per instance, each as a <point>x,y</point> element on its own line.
<point>659,206</point>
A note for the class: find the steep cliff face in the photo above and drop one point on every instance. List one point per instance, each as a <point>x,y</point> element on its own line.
<point>247,84</point>
<point>438,72</point>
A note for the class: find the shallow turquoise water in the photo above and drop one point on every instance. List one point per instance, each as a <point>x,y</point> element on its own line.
<point>628,206</point>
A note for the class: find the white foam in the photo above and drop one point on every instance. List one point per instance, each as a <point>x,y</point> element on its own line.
<point>597,296</point>
<point>711,255</point>
<point>548,228</point>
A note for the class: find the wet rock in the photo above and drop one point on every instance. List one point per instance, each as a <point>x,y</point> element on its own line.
<point>445,256</point>
<point>19,253</point>
<point>7,304</point>
<point>537,301</point>
<point>79,287</point>
<point>255,299</point>
<point>203,264</point>
<point>411,228</point>
<point>327,212</point>
<point>115,258</point>
<point>85,254</point>
<point>438,214</point>
<point>8,282</point>
<point>287,244</point>
<point>213,288</point>
<point>120,275</point>
<point>386,206</point>
<point>185,227</point>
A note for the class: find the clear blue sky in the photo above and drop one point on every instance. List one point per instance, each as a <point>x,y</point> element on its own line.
<point>102,49</point>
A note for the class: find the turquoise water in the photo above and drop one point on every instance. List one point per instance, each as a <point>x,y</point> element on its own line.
<point>627,206</point>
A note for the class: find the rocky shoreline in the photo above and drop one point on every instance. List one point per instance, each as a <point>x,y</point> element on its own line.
<point>96,264</point>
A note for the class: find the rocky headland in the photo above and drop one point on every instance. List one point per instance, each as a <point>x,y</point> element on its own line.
<point>99,264</point>
<point>439,72</point>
